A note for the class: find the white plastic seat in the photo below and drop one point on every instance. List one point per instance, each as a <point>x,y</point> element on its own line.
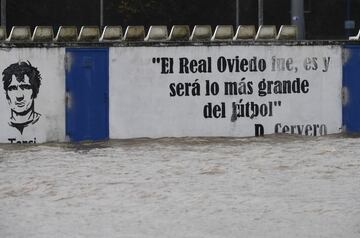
<point>223,32</point>
<point>89,33</point>
<point>2,33</point>
<point>134,33</point>
<point>67,33</point>
<point>20,34</point>
<point>179,33</point>
<point>43,34</point>
<point>112,33</point>
<point>357,37</point>
<point>245,32</point>
<point>266,32</point>
<point>201,32</point>
<point>157,33</point>
<point>287,32</point>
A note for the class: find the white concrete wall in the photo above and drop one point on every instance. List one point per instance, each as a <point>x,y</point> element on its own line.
<point>143,102</point>
<point>49,103</point>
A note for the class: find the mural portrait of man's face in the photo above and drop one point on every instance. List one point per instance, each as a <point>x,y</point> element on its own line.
<point>20,94</point>
<point>21,83</point>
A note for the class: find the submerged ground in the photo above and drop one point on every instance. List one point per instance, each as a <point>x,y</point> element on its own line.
<point>275,186</point>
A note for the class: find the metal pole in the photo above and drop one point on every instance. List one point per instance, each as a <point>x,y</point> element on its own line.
<point>348,13</point>
<point>260,12</point>
<point>237,13</point>
<point>3,13</point>
<point>297,17</point>
<point>101,14</point>
<point>348,9</point>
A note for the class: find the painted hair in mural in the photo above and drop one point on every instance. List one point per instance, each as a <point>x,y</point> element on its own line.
<point>21,84</point>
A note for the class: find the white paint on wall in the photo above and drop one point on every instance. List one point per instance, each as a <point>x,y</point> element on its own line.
<point>48,124</point>
<point>143,102</point>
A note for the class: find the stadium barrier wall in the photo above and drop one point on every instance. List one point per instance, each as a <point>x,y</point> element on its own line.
<point>27,116</point>
<point>180,90</point>
<point>224,91</point>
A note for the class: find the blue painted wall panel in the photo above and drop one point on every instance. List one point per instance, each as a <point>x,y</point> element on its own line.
<point>351,83</point>
<point>87,86</point>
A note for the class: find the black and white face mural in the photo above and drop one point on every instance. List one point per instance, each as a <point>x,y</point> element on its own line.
<point>21,82</point>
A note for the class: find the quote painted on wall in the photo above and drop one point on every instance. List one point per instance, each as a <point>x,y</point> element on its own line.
<point>244,87</point>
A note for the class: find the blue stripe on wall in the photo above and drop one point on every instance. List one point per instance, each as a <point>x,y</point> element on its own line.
<point>351,84</point>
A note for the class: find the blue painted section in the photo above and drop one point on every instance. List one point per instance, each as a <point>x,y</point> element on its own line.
<point>87,87</point>
<point>351,83</point>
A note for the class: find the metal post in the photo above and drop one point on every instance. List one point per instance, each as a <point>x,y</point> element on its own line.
<point>237,13</point>
<point>348,14</point>
<point>260,12</point>
<point>101,14</point>
<point>297,17</point>
<point>3,13</point>
<point>348,9</point>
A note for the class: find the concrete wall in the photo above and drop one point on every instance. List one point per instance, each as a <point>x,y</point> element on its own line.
<point>224,90</point>
<point>182,90</point>
<point>45,121</point>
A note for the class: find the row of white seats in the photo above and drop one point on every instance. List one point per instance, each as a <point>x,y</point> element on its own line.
<point>155,33</point>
